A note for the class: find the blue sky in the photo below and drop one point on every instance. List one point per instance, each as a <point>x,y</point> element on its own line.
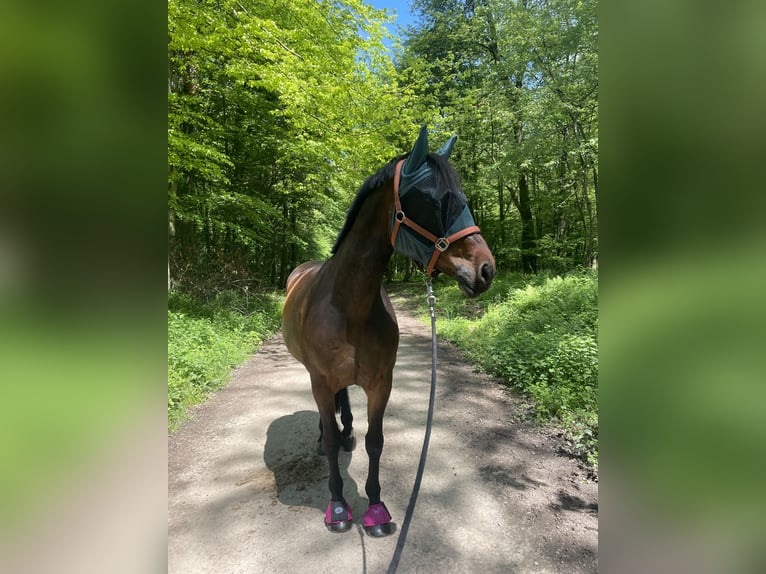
<point>402,9</point>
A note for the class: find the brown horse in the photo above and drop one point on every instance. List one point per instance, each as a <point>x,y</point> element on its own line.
<point>338,320</point>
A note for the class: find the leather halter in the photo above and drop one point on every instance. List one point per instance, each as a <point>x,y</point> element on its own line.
<point>441,244</point>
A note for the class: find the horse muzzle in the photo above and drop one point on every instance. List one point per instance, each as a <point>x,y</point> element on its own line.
<point>470,262</point>
<point>474,283</point>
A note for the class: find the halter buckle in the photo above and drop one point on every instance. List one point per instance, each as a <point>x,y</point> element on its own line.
<point>442,244</point>
<point>399,216</point>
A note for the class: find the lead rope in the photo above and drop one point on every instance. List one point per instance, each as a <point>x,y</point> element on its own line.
<point>424,452</point>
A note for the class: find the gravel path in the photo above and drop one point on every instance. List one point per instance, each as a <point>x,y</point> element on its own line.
<point>247,491</point>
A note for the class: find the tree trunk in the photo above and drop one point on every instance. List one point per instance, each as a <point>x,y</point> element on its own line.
<point>589,253</point>
<point>410,269</point>
<point>171,230</point>
<point>501,205</point>
<point>528,238</point>
<point>283,256</point>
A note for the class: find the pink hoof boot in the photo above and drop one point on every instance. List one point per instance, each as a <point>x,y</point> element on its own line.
<point>337,517</point>
<point>377,521</point>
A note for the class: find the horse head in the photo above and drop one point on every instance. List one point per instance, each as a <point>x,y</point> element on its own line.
<point>431,222</point>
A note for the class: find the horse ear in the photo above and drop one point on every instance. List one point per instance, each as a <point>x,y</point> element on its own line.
<point>418,154</point>
<point>446,149</point>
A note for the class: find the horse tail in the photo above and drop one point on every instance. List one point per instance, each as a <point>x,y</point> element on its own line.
<point>341,397</point>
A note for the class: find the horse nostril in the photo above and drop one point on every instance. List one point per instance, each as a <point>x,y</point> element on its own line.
<point>487,272</point>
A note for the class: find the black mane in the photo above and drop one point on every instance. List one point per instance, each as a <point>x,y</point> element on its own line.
<point>442,170</point>
<point>371,184</point>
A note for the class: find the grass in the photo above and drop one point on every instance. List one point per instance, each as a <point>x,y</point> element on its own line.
<point>206,339</point>
<point>539,334</point>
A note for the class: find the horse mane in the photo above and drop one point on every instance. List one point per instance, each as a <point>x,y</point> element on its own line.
<point>440,167</point>
<point>370,185</point>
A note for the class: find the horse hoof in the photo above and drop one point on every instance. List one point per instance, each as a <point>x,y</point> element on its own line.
<point>377,521</point>
<point>338,527</point>
<point>380,530</point>
<point>337,517</point>
<point>349,442</point>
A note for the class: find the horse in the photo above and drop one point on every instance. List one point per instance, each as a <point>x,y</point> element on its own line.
<point>339,322</point>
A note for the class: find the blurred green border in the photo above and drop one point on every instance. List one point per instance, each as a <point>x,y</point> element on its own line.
<point>683,277</point>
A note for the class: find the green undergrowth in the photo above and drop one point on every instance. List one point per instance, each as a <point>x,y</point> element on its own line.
<point>206,338</point>
<point>538,334</point>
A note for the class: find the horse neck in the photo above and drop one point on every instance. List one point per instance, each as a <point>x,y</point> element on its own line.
<point>362,257</point>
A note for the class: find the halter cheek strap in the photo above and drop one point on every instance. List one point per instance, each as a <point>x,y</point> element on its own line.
<point>441,244</point>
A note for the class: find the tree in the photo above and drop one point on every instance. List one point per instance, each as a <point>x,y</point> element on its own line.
<point>276,113</point>
<point>518,81</point>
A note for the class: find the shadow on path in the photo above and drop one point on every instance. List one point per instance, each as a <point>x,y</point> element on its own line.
<point>300,474</point>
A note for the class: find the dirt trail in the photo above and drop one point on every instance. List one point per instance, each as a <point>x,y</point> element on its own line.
<point>247,491</point>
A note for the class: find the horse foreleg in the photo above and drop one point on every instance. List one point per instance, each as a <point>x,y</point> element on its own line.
<point>331,445</point>
<point>373,443</point>
<point>377,519</point>
<point>338,514</point>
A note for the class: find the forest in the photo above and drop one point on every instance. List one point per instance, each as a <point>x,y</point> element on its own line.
<point>278,111</point>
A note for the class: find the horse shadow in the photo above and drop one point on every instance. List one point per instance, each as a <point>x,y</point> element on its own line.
<point>300,473</point>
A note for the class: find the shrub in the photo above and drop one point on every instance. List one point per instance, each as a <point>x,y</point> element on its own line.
<point>541,338</point>
<point>207,338</point>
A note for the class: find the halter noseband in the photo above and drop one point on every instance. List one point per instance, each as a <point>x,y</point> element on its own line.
<point>441,244</point>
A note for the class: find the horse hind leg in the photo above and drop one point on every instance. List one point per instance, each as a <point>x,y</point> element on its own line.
<point>342,406</point>
<point>320,448</point>
<point>348,436</point>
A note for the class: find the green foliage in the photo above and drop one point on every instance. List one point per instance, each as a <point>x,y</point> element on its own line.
<point>518,81</point>
<point>542,339</point>
<point>207,339</point>
<point>277,112</point>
